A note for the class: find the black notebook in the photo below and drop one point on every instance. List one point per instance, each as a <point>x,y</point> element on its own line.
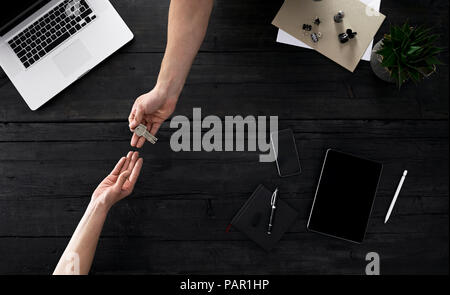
<point>253,218</point>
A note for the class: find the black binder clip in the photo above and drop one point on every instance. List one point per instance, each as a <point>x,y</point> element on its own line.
<point>345,37</point>
<point>316,21</point>
<point>307,27</point>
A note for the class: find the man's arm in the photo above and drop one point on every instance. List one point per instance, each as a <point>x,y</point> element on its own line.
<point>188,22</point>
<point>78,256</point>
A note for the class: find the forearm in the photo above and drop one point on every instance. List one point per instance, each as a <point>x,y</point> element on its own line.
<point>188,22</point>
<point>79,254</point>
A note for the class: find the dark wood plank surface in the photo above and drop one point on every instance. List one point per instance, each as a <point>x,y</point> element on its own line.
<point>52,159</point>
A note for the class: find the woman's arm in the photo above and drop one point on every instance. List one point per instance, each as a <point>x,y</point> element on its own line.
<point>78,256</point>
<point>188,22</point>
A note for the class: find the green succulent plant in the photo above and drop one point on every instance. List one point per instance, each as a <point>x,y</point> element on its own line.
<point>409,53</point>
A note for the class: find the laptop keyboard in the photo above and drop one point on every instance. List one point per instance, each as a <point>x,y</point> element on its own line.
<point>52,29</point>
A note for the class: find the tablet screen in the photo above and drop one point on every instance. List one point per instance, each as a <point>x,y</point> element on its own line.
<point>344,196</point>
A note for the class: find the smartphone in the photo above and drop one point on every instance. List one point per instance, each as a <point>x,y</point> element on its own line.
<point>286,155</point>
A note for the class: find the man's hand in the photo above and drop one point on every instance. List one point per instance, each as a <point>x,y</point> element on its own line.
<point>151,110</point>
<point>120,183</point>
<point>188,21</point>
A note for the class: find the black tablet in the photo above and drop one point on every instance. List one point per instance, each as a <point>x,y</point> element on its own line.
<point>344,196</point>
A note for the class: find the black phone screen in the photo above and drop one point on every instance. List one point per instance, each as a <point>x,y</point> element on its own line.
<point>286,154</point>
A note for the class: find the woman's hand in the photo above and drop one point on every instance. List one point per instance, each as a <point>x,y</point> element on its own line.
<point>120,182</point>
<point>79,253</point>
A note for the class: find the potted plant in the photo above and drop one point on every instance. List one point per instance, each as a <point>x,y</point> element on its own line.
<point>406,53</point>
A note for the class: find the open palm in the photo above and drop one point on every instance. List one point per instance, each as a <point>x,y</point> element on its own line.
<point>121,181</point>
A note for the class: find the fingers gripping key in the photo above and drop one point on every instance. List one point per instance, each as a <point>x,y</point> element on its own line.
<point>141,130</point>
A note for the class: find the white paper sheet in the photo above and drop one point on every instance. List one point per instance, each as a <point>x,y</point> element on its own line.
<point>285,38</point>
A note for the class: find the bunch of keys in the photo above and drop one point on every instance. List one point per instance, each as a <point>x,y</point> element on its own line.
<point>141,130</point>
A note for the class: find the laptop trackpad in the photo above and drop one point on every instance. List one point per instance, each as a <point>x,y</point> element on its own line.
<point>72,58</point>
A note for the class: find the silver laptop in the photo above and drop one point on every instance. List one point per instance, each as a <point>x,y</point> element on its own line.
<point>45,45</point>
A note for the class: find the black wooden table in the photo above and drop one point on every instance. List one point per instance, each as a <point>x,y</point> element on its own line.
<point>51,160</point>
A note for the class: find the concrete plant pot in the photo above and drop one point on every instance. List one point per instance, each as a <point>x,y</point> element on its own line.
<point>375,62</point>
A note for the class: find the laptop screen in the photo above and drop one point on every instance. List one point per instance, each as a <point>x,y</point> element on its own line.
<point>16,11</point>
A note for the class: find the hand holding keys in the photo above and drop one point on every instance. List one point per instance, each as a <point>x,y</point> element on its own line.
<point>141,131</point>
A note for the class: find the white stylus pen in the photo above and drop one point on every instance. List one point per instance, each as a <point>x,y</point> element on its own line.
<point>397,192</point>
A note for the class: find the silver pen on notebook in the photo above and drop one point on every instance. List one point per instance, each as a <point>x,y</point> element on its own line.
<point>273,202</point>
